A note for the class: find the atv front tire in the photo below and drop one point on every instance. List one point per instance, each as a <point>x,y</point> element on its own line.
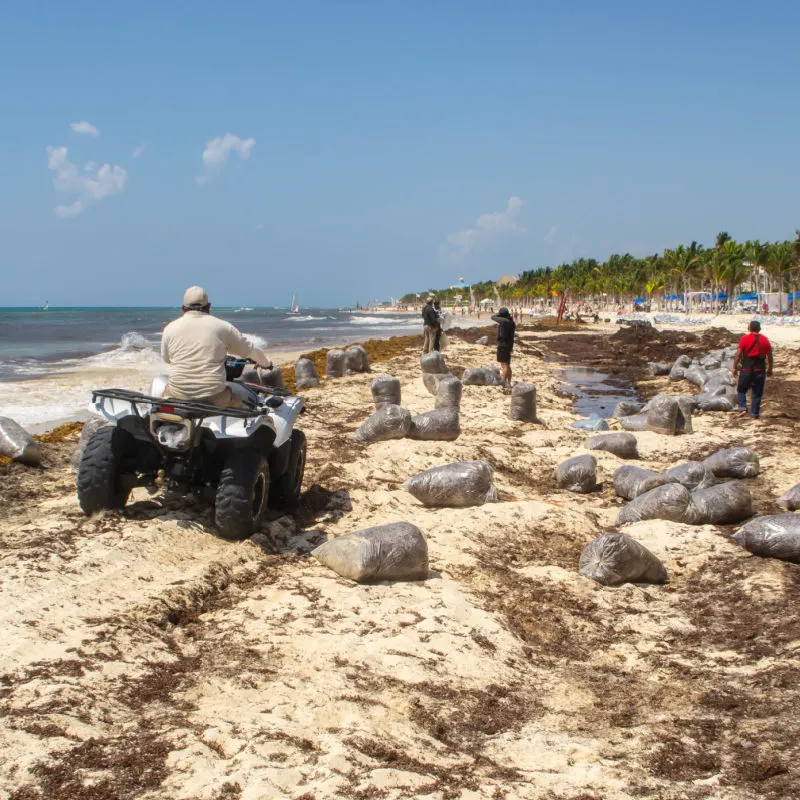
<point>242,494</point>
<point>100,480</point>
<point>285,491</point>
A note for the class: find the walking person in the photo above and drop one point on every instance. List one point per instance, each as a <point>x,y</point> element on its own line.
<point>505,341</point>
<point>753,365</point>
<point>430,322</point>
<point>437,337</point>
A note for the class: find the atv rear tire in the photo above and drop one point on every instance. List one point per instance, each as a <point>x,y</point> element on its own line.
<point>242,494</point>
<point>100,484</point>
<point>285,491</point>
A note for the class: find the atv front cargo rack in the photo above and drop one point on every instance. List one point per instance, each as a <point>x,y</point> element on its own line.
<point>184,407</point>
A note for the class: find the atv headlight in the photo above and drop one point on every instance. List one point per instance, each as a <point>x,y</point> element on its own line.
<point>175,436</point>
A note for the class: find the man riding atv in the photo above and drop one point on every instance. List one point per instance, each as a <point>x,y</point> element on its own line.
<point>195,346</point>
<point>233,442</point>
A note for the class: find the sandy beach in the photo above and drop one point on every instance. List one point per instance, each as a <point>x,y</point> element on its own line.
<point>145,658</point>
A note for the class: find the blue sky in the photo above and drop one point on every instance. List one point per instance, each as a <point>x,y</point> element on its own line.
<point>377,147</point>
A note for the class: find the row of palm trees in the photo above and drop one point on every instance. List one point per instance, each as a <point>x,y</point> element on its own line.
<point>726,268</point>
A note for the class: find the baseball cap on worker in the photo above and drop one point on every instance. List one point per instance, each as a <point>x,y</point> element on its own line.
<point>195,296</point>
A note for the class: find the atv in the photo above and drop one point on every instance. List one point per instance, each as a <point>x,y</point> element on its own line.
<point>244,459</point>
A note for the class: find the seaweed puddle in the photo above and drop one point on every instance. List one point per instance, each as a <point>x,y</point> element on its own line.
<point>596,393</point>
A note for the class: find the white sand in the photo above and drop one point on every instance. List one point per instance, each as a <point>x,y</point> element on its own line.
<point>250,671</point>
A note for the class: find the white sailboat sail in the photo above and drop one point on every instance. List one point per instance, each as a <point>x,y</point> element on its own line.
<point>295,309</point>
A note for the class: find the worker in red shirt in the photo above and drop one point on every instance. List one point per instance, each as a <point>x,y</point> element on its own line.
<point>753,365</point>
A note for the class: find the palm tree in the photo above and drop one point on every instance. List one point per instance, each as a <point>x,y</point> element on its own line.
<point>779,259</point>
<point>722,237</point>
<point>683,262</point>
<point>755,252</point>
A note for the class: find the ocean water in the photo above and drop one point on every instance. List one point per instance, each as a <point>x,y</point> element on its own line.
<point>33,342</point>
<point>51,360</point>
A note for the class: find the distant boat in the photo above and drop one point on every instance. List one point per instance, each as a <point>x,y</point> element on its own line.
<point>295,309</point>
<point>46,305</point>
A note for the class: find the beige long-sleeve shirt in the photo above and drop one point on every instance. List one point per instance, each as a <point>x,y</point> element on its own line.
<point>195,347</point>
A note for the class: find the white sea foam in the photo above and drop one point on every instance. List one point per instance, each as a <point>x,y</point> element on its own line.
<point>255,340</point>
<point>306,318</point>
<point>395,322</point>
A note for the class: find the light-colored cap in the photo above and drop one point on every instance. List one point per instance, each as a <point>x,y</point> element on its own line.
<point>195,296</point>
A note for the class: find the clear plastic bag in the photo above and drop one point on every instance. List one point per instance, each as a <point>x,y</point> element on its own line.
<point>631,481</point>
<point>723,504</point>
<point>394,552</point>
<point>458,485</point>
<point>385,391</point>
<point>17,444</point>
<point>622,445</point>
<point>481,376</point>
<point>523,403</point>
<point>448,392</point>
<point>735,462</point>
<point>614,558</point>
<point>773,536</point>
<point>442,424</point>
<point>305,374</point>
<point>334,366</point>
<point>577,474</point>
<point>388,422</point>
<point>356,360</point>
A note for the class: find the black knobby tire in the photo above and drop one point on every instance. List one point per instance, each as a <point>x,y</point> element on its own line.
<point>242,494</point>
<point>100,484</point>
<point>285,492</point>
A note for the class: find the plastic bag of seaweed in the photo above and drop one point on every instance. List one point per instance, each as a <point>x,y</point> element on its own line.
<point>662,415</point>
<point>773,536</point>
<point>723,504</point>
<point>87,431</point>
<point>356,360</point>
<point>482,376</point>
<point>615,558</point>
<point>523,403</point>
<point>394,552</point>
<point>693,475</point>
<point>17,444</point>
<point>457,485</point>
<point>441,424</point>
<point>627,408</point>
<point>448,392</point>
<point>671,502</point>
<point>735,462</point>
<point>630,481</point>
<point>677,373</point>
<point>706,401</point>
<point>264,377</point>
<point>433,363</point>
<point>696,375</point>
<point>484,340</point>
<point>683,421</point>
<point>790,501</point>
<point>577,474</point>
<point>334,366</point>
<point>305,374</point>
<point>657,368</point>
<point>635,422</point>
<point>385,391</point>
<point>622,445</point>
<point>388,422</point>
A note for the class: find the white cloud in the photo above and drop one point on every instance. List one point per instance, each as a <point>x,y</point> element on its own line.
<point>84,127</point>
<point>217,151</point>
<point>91,184</point>
<point>486,227</point>
<point>550,235</point>
<point>138,151</point>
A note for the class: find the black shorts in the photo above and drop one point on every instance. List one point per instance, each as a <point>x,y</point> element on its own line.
<point>503,354</point>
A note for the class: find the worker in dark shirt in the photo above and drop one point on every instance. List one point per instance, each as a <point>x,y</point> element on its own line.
<point>505,341</point>
<point>431,326</point>
<point>753,365</point>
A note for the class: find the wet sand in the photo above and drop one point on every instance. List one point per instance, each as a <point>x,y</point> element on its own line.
<point>145,658</point>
